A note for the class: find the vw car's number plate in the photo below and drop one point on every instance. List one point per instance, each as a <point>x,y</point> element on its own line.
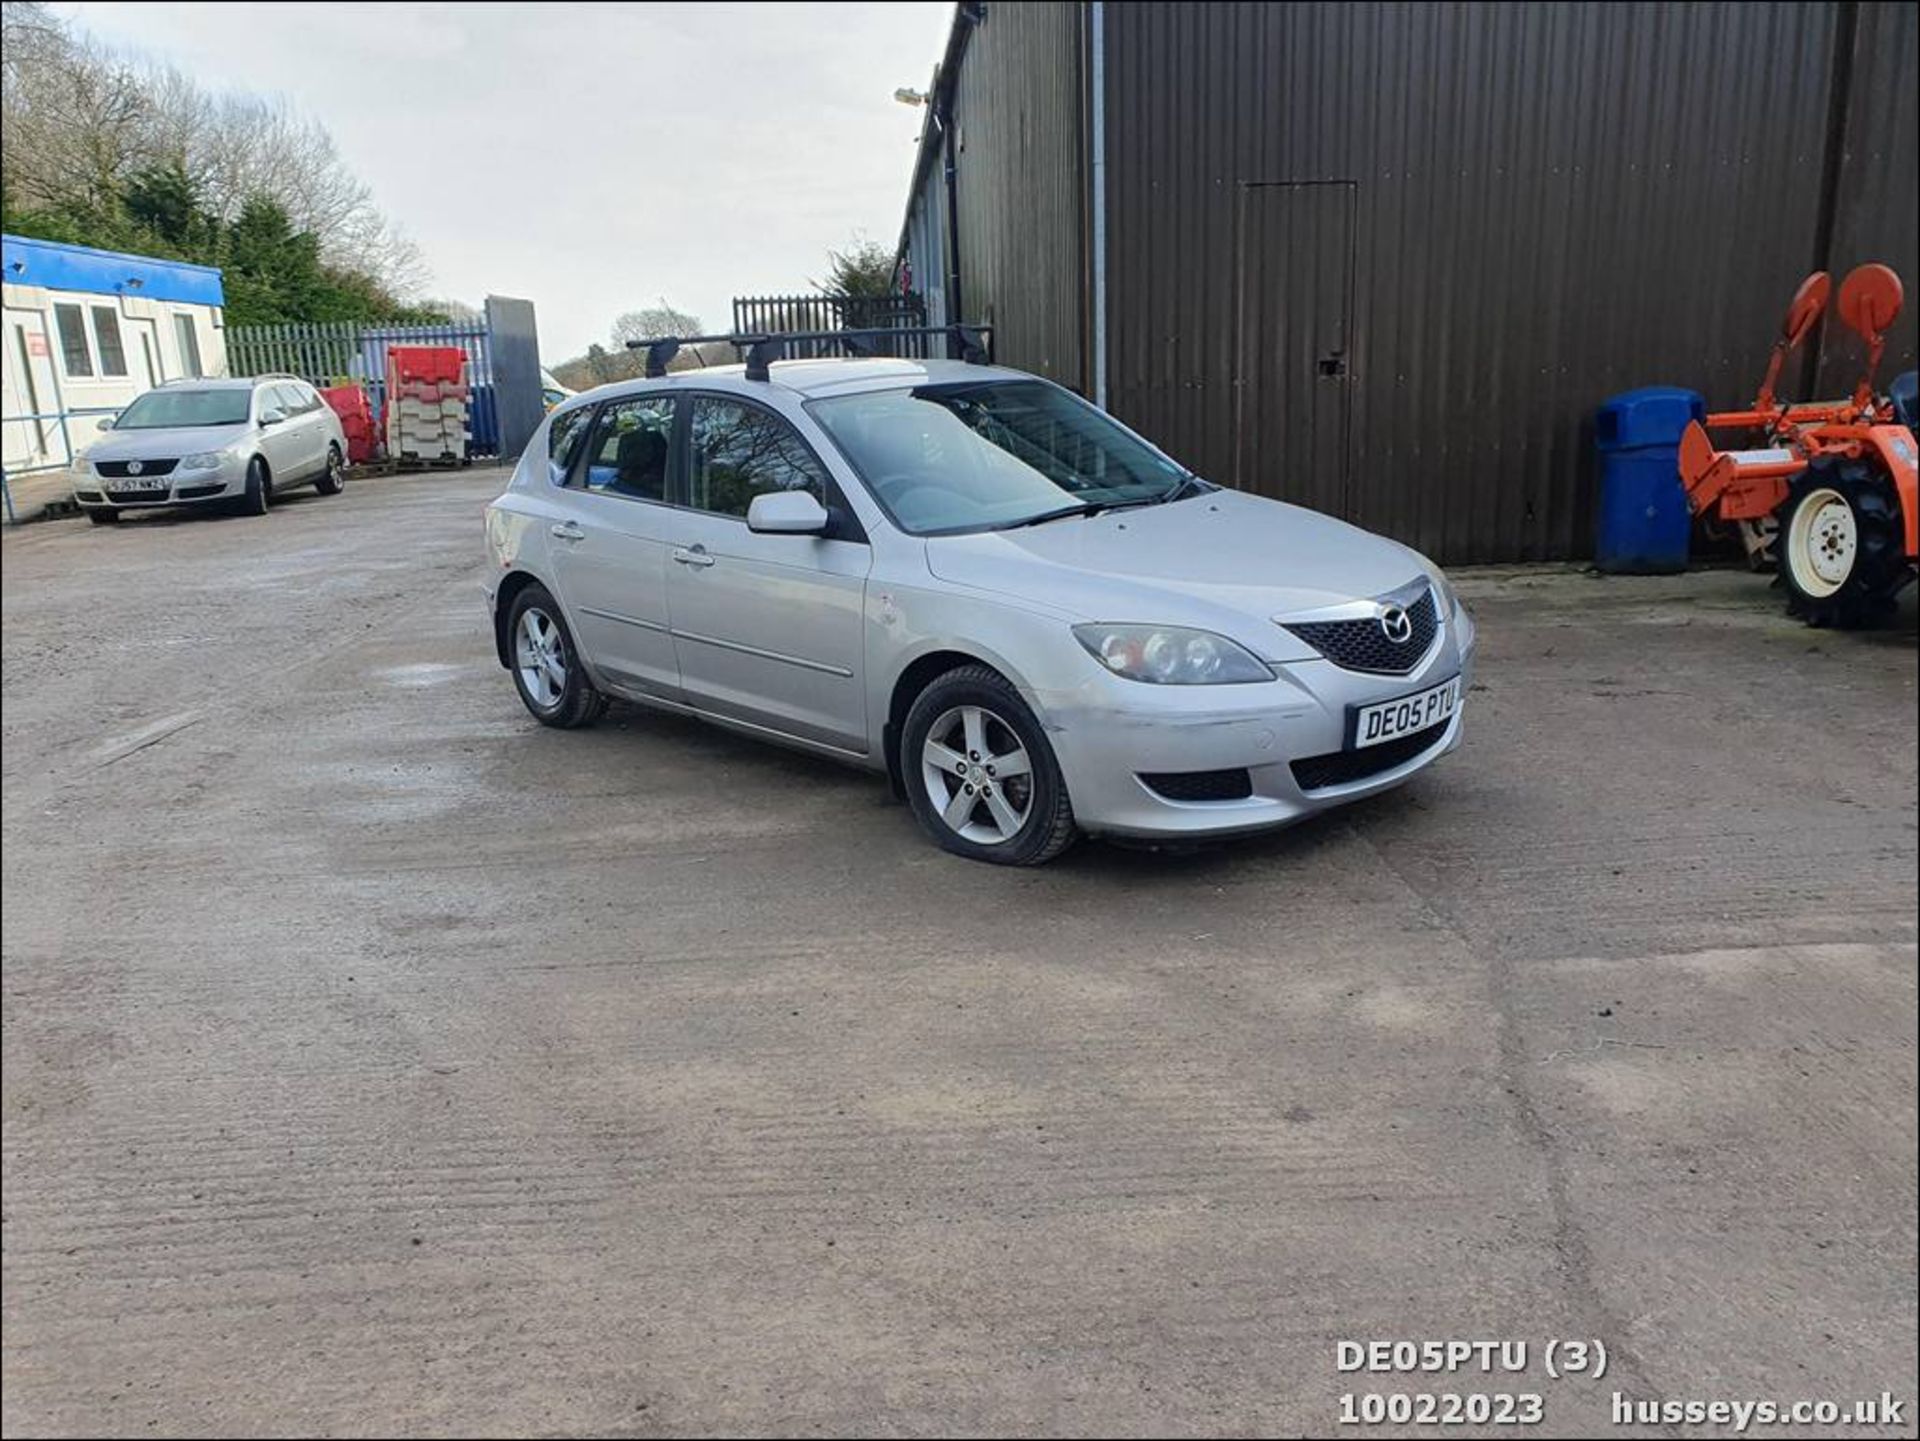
<point>138,482</point>
<point>1388,720</point>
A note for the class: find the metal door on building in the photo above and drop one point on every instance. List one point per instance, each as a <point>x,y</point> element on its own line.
<point>1294,370</point>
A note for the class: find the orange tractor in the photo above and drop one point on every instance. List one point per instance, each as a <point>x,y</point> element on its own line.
<point>1830,487</point>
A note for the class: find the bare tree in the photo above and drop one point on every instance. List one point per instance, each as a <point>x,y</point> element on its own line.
<point>74,119</point>
<point>80,121</point>
<point>653,323</point>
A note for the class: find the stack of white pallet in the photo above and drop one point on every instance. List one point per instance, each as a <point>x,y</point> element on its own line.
<point>427,404</point>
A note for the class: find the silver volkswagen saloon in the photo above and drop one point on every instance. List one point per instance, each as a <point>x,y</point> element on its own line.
<point>1034,622</point>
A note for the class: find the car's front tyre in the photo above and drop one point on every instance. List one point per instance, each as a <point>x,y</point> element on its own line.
<point>980,775</point>
<point>258,495</point>
<point>553,685</point>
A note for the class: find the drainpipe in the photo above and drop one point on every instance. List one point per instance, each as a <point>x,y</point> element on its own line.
<point>1097,142</point>
<point>969,14</point>
<point>944,117</point>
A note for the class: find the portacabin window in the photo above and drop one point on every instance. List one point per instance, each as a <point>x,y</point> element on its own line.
<point>737,451</point>
<point>632,442</point>
<point>75,358</point>
<point>106,341</point>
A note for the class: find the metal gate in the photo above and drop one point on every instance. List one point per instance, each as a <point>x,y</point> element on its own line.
<point>777,314</point>
<point>354,353</point>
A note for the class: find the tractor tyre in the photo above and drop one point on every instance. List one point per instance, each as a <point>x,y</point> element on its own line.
<point>1840,544</point>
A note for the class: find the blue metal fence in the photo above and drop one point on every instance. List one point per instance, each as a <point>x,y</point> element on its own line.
<point>348,352</point>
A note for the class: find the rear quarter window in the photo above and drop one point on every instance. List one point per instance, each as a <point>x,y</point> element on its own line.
<point>563,442</point>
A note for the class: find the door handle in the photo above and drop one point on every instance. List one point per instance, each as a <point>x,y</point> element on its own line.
<point>695,555</point>
<point>567,530</point>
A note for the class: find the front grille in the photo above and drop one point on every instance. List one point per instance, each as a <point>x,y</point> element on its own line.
<point>114,469</point>
<point>1234,785</point>
<point>1363,645</point>
<point>1343,768</point>
<point>195,492</point>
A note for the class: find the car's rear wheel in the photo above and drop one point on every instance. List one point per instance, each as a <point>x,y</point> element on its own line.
<point>553,685</point>
<point>980,775</point>
<point>259,492</point>
<point>334,478</point>
<point>104,517</point>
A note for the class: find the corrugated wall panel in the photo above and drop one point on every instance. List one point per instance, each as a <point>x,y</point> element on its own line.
<point>1553,203</point>
<point>1023,186</point>
<point>1875,217</point>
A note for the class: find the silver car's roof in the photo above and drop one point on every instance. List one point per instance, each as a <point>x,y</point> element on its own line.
<point>812,378</point>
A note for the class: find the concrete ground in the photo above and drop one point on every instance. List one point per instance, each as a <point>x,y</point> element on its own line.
<point>378,1061</point>
<point>38,495</point>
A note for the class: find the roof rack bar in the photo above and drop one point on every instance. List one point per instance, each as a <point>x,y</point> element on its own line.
<point>971,343</point>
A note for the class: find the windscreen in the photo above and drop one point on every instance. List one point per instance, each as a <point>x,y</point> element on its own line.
<point>167,409</point>
<point>981,455</point>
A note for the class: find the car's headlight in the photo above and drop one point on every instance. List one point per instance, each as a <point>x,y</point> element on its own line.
<point>205,460</point>
<point>1171,655</point>
<point>1443,592</point>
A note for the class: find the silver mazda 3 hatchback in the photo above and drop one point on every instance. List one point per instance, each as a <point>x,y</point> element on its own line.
<point>1032,620</point>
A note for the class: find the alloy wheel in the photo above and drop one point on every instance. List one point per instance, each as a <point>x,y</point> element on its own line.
<point>978,775</point>
<point>540,652</point>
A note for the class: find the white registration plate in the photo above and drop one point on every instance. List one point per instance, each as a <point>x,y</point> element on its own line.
<point>1389,720</point>
<point>137,483</point>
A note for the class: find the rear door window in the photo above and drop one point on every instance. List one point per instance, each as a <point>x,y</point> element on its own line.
<point>563,442</point>
<point>631,444</point>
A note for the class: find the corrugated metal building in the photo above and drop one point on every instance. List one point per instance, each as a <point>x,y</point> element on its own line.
<point>1385,259</point>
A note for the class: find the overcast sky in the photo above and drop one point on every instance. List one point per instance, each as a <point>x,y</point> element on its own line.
<point>591,158</point>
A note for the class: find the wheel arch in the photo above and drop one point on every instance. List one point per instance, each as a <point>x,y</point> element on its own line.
<point>919,673</point>
<point>508,591</point>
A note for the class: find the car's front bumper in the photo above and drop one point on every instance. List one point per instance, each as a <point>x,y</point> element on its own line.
<point>1109,733</point>
<point>93,491</point>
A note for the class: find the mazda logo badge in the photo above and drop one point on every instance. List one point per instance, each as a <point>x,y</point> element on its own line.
<point>133,467</point>
<point>1396,625</point>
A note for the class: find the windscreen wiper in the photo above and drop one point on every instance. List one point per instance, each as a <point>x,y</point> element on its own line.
<point>1085,507</point>
<point>1188,485</point>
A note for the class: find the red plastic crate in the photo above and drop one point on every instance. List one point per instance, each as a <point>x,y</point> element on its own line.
<point>355,409</point>
<point>430,364</point>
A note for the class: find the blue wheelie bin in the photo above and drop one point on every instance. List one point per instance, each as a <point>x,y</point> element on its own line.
<point>1644,521</point>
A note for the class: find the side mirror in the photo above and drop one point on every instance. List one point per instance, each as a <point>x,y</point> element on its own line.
<point>787,512</point>
<point>106,423</point>
<point>272,415</point>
